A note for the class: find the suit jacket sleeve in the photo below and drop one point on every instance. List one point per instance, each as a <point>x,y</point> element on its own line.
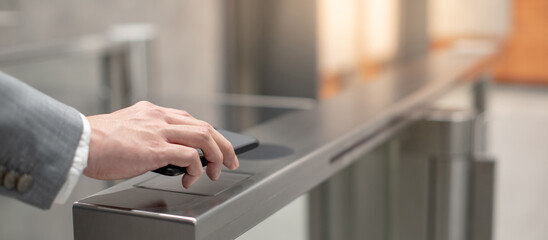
<point>38,137</point>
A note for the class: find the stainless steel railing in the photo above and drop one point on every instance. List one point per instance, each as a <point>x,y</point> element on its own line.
<point>298,151</point>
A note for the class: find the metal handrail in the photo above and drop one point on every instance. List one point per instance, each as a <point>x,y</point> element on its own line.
<point>299,150</point>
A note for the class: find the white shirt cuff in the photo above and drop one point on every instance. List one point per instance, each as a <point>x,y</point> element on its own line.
<point>79,163</point>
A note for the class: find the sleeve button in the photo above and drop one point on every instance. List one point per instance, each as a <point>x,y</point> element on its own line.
<point>3,171</point>
<point>24,183</point>
<point>10,179</point>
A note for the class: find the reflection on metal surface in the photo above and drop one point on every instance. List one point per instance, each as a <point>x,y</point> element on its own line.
<point>204,186</point>
<point>267,151</point>
<point>238,112</point>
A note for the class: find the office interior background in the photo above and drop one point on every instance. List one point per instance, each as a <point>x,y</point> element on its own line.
<point>281,56</point>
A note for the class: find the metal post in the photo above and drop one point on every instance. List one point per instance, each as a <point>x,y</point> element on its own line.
<point>353,204</point>
<point>126,66</point>
<point>450,172</point>
<point>482,198</point>
<point>480,103</point>
<point>441,185</point>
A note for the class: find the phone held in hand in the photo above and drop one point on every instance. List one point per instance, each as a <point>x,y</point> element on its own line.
<point>241,143</point>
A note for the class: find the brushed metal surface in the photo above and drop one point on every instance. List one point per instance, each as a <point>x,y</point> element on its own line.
<point>204,186</point>
<point>344,127</point>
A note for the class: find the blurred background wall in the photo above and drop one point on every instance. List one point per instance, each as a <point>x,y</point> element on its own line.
<point>303,50</point>
<point>188,43</point>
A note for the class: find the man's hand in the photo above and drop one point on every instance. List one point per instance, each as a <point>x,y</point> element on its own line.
<point>145,137</point>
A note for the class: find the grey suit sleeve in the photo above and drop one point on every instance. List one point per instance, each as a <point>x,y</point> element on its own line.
<point>38,137</point>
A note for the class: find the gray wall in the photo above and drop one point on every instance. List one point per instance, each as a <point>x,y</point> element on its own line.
<point>188,45</point>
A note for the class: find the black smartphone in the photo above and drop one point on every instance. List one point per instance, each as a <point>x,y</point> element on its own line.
<point>241,143</point>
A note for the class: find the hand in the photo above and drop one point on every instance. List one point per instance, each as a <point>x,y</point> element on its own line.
<point>145,137</point>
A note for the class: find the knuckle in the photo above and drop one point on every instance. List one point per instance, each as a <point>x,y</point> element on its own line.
<point>191,155</point>
<point>218,157</point>
<point>230,153</point>
<point>157,149</point>
<point>164,130</point>
<point>203,134</point>
<point>228,149</point>
<point>144,103</point>
<point>160,156</point>
<point>156,146</point>
<point>185,113</point>
<point>205,124</point>
<point>214,158</point>
<point>156,112</point>
<point>196,171</point>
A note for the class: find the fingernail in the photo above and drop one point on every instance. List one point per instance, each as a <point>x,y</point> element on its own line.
<point>189,182</point>
<point>236,163</point>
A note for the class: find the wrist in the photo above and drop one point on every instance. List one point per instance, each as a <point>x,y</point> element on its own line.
<point>94,142</point>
